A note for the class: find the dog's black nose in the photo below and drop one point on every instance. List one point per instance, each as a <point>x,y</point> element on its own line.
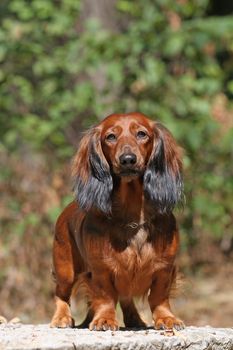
<point>128,159</point>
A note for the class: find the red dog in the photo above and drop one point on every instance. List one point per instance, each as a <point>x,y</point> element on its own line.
<point>120,238</point>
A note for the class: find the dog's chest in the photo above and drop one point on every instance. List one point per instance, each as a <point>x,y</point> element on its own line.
<point>127,251</point>
<point>135,266</point>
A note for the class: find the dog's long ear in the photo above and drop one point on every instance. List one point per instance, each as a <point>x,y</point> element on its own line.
<point>163,183</point>
<point>93,182</point>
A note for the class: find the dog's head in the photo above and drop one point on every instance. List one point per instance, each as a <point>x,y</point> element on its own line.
<point>128,146</point>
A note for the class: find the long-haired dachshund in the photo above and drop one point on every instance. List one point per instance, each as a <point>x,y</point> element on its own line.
<point>119,239</point>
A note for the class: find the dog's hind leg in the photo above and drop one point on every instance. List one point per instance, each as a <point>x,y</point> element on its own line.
<point>131,316</point>
<point>67,262</point>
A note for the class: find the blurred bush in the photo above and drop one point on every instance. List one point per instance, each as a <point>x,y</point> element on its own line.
<point>66,64</point>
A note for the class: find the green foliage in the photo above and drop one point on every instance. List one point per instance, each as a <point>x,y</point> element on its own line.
<point>60,73</point>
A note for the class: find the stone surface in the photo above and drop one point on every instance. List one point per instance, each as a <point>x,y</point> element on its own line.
<point>27,337</point>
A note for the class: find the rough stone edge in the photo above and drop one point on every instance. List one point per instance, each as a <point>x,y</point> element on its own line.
<point>32,337</point>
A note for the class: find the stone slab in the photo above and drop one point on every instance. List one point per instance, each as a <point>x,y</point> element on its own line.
<point>32,337</point>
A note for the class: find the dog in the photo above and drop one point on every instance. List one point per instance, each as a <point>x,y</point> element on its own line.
<point>119,238</point>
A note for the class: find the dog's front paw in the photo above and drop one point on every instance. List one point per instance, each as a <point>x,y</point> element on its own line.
<point>64,321</point>
<point>103,324</point>
<point>168,323</point>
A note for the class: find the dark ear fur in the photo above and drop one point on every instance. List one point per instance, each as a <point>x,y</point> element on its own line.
<point>163,183</point>
<point>93,181</point>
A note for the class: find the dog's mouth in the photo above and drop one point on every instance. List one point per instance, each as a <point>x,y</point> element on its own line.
<point>130,173</point>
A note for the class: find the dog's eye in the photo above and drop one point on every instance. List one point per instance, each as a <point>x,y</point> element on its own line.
<point>141,134</point>
<point>111,137</point>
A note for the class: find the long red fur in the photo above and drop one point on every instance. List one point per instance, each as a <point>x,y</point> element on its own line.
<point>119,238</point>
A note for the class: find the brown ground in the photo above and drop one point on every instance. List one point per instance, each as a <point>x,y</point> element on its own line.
<point>208,299</point>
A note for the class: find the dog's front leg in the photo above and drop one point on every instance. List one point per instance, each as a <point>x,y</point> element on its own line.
<point>103,303</point>
<point>159,301</point>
